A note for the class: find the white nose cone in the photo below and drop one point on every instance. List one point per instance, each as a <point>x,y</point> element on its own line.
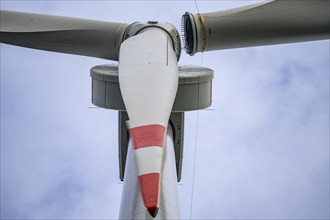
<point>148,79</point>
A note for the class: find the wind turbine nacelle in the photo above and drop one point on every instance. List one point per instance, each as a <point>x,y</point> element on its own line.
<point>194,89</point>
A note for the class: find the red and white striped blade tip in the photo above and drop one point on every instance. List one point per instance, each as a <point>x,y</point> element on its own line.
<point>153,211</point>
<point>149,184</point>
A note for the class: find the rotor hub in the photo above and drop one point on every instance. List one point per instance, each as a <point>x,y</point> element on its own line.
<point>138,27</point>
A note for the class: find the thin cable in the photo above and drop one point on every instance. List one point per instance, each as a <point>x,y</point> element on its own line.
<point>196,144</point>
<point>194,170</point>
<point>202,58</point>
<point>196,6</point>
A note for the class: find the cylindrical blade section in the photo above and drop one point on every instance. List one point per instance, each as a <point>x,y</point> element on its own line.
<point>266,23</point>
<point>62,34</point>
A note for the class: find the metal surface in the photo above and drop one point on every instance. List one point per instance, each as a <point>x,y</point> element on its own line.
<point>177,125</point>
<point>194,89</point>
<point>123,139</point>
<point>265,23</point>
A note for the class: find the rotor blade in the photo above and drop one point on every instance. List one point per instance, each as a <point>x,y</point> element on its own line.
<point>266,23</point>
<point>148,79</point>
<point>62,34</point>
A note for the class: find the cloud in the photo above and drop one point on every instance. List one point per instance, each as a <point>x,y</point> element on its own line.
<point>262,153</point>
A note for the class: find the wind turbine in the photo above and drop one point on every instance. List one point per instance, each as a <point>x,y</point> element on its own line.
<point>191,21</point>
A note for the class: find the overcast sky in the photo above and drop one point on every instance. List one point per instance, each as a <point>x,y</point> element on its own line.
<point>262,149</point>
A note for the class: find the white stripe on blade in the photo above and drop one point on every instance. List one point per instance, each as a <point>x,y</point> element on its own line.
<point>149,160</point>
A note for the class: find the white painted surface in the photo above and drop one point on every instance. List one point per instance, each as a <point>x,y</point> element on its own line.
<point>149,159</point>
<point>132,206</point>
<point>148,77</point>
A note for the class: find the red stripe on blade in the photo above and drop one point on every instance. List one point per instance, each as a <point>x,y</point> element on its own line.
<point>148,135</point>
<point>149,185</point>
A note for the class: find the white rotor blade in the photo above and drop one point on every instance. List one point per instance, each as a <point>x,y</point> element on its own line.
<point>266,23</point>
<point>148,78</point>
<point>62,34</point>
